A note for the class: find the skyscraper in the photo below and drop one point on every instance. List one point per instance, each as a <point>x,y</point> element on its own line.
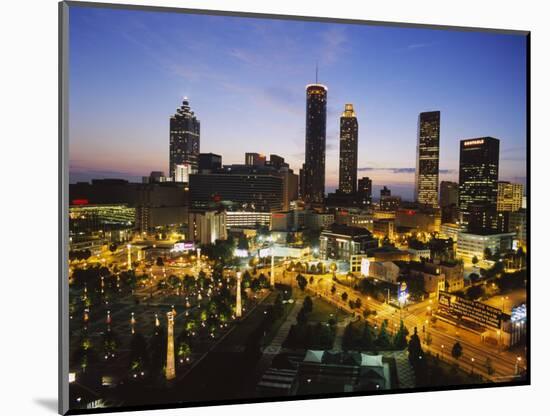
<point>316,127</point>
<point>348,150</point>
<point>448,194</point>
<point>478,173</point>
<point>509,196</point>
<point>364,190</point>
<point>254,159</point>
<point>184,139</point>
<point>427,158</point>
<point>448,201</point>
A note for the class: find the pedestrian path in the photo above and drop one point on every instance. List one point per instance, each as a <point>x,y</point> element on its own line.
<point>274,348</point>
<point>339,336</point>
<point>405,372</point>
<point>276,344</point>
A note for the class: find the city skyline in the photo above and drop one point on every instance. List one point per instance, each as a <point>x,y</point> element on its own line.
<point>245,240</point>
<point>153,66</point>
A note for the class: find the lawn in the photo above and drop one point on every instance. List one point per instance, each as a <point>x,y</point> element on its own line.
<point>322,311</point>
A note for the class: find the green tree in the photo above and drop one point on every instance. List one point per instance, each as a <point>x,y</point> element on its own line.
<point>475,260</point>
<point>367,337</point>
<point>308,304</point>
<point>415,349</point>
<point>344,296</point>
<point>383,338</point>
<point>489,366</point>
<point>456,351</point>
<point>160,262</point>
<point>487,254</point>
<point>400,338</point>
<point>302,281</point>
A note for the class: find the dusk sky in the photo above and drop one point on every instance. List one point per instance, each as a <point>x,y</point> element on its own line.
<point>245,79</point>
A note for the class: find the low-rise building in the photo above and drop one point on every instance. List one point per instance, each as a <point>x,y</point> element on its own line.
<point>247,219</point>
<point>207,226</point>
<point>387,271</point>
<point>470,245</point>
<point>451,230</point>
<point>382,228</point>
<point>340,242</point>
<point>424,220</point>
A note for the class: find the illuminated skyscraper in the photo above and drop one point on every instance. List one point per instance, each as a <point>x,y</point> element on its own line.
<point>509,197</point>
<point>184,139</point>
<point>478,174</point>
<point>427,159</point>
<point>348,150</point>
<point>364,188</point>
<point>316,127</point>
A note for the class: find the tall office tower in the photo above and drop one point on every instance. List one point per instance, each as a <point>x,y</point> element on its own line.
<point>254,159</point>
<point>302,181</point>
<point>185,131</point>
<point>509,196</point>
<point>209,162</point>
<point>316,128</point>
<point>349,130</point>
<point>478,173</point>
<point>448,201</point>
<point>364,189</point>
<point>448,193</point>
<point>427,159</point>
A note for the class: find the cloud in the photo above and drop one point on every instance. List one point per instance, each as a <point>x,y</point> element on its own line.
<point>245,57</point>
<point>420,45</point>
<point>514,154</point>
<point>335,41</point>
<point>401,170</point>
<point>83,175</point>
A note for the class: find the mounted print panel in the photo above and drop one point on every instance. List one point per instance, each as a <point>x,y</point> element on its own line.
<point>259,208</point>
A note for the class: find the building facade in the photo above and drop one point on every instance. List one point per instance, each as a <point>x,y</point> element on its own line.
<point>470,245</point>
<point>448,194</point>
<point>427,159</point>
<point>209,162</point>
<point>316,126</point>
<point>254,159</point>
<point>185,131</point>
<point>364,190</point>
<point>260,192</point>
<point>247,219</point>
<point>339,242</point>
<point>349,131</point>
<point>509,196</point>
<point>478,173</point>
<point>206,226</point>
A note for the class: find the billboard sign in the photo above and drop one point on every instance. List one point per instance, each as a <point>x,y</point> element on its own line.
<point>480,313</point>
